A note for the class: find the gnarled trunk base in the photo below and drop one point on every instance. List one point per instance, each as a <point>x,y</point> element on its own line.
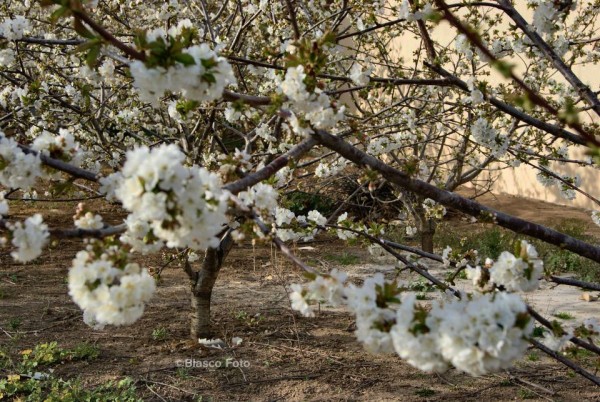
<point>200,316</point>
<point>202,286</point>
<point>427,240</point>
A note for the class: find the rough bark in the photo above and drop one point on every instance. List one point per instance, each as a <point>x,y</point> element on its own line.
<point>427,233</point>
<point>584,91</point>
<point>426,225</point>
<point>456,201</point>
<point>202,286</point>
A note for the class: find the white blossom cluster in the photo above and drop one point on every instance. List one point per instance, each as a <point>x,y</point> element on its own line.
<point>261,196</point>
<point>477,335</point>
<point>15,28</point>
<point>7,57</point>
<point>373,230</point>
<point>372,320</point>
<point>545,179</point>
<point>62,146</point>
<point>446,256</point>
<point>545,16</point>
<point>405,11</point>
<point>325,288</point>
<point>345,222</point>
<point>558,338</point>
<point>596,217</point>
<point>564,185</point>
<point>463,46</point>
<point>169,202</point>
<point>203,81</point>
<point>567,191</point>
<point>384,144</point>
<point>476,95</point>
<point>324,170</point>
<point>264,131</point>
<point>359,76</point>
<point>411,231</point>
<point>107,288</point>
<point>515,273</point>
<point>433,209</point>
<point>471,257</point>
<point>484,134</point>
<point>3,205</point>
<point>229,164</point>
<point>89,220</point>
<point>17,169</point>
<point>315,108</point>
<point>485,334</point>
<point>291,227</point>
<point>28,237</point>
<point>316,217</point>
<point>557,342</point>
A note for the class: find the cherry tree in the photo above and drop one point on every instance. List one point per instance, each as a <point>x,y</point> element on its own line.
<point>194,118</point>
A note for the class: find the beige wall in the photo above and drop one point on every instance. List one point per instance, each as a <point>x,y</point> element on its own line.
<point>522,181</point>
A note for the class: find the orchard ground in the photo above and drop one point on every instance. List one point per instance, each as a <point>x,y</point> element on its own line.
<point>282,356</point>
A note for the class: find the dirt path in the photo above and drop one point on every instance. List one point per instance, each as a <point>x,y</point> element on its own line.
<point>287,357</point>
<point>540,212</point>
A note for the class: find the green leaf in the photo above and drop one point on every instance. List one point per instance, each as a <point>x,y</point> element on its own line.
<point>185,59</point>
<point>503,68</point>
<point>86,45</point>
<point>59,13</point>
<point>209,63</point>
<point>91,58</point>
<point>209,77</point>
<point>48,3</point>
<point>82,30</point>
<point>186,106</point>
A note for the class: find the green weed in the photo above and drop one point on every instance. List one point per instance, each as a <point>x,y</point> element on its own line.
<point>160,334</point>
<point>491,241</point>
<point>563,315</point>
<point>343,259</point>
<point>424,392</point>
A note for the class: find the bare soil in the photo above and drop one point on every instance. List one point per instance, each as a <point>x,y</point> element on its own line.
<point>284,356</point>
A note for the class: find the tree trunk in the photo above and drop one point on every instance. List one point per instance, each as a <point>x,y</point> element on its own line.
<point>427,233</point>
<point>426,226</point>
<point>200,317</point>
<point>202,287</point>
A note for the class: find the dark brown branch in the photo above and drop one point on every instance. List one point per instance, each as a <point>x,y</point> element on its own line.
<point>584,91</point>
<point>62,166</point>
<point>269,170</point>
<point>513,111</point>
<point>578,369</point>
<point>387,247</point>
<point>81,233</point>
<point>453,200</point>
<point>391,81</point>
<point>49,42</point>
<point>532,95</point>
<point>429,47</point>
<point>413,250</point>
<point>293,20</point>
<point>579,342</point>
<point>130,51</point>
<point>249,99</point>
<point>370,29</point>
<point>575,282</point>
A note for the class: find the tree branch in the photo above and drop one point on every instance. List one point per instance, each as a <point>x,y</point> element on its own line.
<point>453,200</point>
<point>584,91</point>
<point>513,111</point>
<point>272,168</point>
<point>62,166</point>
